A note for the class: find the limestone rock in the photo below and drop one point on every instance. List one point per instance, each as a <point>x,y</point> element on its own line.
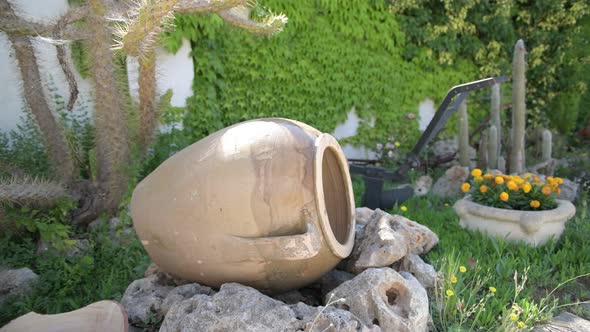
<point>565,322</point>
<point>182,293</point>
<point>363,214</point>
<point>144,298</point>
<point>386,239</point>
<point>423,272</point>
<point>569,190</point>
<point>422,185</point>
<point>449,185</point>
<point>240,308</point>
<point>444,148</point>
<point>394,301</point>
<point>16,282</point>
<point>333,279</point>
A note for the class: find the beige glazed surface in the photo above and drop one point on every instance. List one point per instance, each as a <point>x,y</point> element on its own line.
<point>532,227</point>
<point>267,203</point>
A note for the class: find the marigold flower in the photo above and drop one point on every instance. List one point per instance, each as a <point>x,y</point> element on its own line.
<point>549,179</point>
<point>527,176</point>
<point>488,176</point>
<point>404,208</point>
<point>478,179</point>
<point>520,324</point>
<point>499,180</point>
<point>463,269</point>
<point>483,188</point>
<point>476,172</point>
<point>558,190</point>
<point>518,180</point>
<point>535,204</point>
<point>559,180</point>
<point>514,317</point>
<point>512,185</point>
<point>450,292</point>
<point>504,196</point>
<point>492,289</point>
<point>526,187</point>
<point>453,280</point>
<point>465,187</point>
<point>546,190</point>
<point>536,179</point>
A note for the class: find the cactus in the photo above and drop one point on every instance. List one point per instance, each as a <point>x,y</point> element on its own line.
<point>492,147</point>
<point>136,37</point>
<point>463,134</point>
<point>482,160</point>
<point>517,156</point>
<point>496,120</point>
<point>546,143</point>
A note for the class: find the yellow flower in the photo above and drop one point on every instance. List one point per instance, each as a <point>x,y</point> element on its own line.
<point>514,317</point>
<point>404,208</point>
<point>526,187</point>
<point>488,176</point>
<point>397,144</point>
<point>518,180</point>
<point>499,180</point>
<point>527,176</point>
<point>453,280</point>
<point>476,172</point>
<point>504,196</point>
<point>483,188</point>
<point>512,185</point>
<point>520,324</point>
<point>450,292</point>
<point>478,179</point>
<point>549,179</point>
<point>546,190</point>
<point>462,269</point>
<point>559,180</point>
<point>536,179</point>
<point>558,191</point>
<point>492,289</point>
<point>446,204</point>
<point>465,187</point>
<point>535,204</point>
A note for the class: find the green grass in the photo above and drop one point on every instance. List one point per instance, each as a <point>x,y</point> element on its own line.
<point>70,283</point>
<point>498,260</point>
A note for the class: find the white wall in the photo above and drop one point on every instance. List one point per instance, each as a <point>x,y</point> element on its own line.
<point>173,71</point>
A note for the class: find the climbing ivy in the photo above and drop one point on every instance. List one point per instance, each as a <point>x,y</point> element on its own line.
<point>332,56</point>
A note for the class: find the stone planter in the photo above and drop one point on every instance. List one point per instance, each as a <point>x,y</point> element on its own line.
<point>532,227</point>
<point>267,203</point>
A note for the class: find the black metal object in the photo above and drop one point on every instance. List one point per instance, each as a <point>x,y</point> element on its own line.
<point>375,176</point>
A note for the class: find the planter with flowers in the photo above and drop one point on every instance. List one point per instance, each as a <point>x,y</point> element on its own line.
<point>514,207</point>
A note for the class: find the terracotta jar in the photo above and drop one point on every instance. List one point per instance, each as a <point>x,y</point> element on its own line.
<point>267,203</point>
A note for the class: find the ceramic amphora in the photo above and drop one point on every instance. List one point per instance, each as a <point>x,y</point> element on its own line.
<point>267,203</point>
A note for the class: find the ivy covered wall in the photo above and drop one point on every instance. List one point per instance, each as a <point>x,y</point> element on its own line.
<point>332,55</point>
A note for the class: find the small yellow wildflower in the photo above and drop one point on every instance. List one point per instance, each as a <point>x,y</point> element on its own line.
<point>476,172</point>
<point>513,317</point>
<point>504,196</point>
<point>404,208</point>
<point>483,188</point>
<point>446,204</point>
<point>520,324</point>
<point>462,269</point>
<point>546,190</point>
<point>465,187</point>
<point>535,204</point>
<point>450,292</point>
<point>492,289</point>
<point>397,144</point>
<point>453,280</point>
<point>526,187</point>
<point>512,185</point>
<point>499,180</point>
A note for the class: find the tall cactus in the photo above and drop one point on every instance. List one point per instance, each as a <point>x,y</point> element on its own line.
<point>517,155</point>
<point>546,144</point>
<point>493,147</point>
<point>496,121</point>
<point>463,134</point>
<point>482,160</point>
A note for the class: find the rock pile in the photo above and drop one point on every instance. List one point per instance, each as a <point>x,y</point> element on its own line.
<point>380,287</point>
